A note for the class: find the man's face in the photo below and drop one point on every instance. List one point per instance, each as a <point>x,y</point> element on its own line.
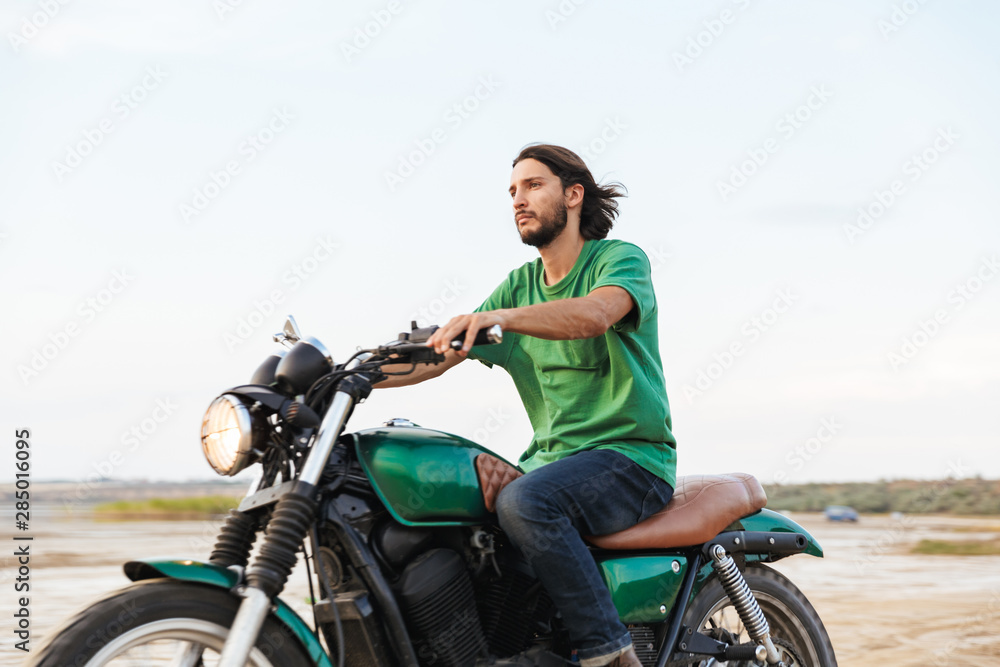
<point>539,203</point>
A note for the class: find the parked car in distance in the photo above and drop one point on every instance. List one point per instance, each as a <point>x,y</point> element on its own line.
<point>840,513</point>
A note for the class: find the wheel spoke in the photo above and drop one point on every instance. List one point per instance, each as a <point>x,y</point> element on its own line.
<point>188,655</point>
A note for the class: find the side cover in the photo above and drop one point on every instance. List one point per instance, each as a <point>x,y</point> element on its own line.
<point>643,587</point>
<point>424,477</point>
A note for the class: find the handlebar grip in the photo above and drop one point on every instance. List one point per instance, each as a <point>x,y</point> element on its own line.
<point>489,336</point>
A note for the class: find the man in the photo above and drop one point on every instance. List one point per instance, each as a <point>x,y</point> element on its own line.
<point>580,342</point>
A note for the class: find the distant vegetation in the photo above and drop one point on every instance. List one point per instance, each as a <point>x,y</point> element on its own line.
<point>950,496</point>
<point>962,496</point>
<point>168,508</point>
<point>967,548</point>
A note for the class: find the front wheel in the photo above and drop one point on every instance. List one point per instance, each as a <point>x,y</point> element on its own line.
<point>163,622</point>
<point>788,612</point>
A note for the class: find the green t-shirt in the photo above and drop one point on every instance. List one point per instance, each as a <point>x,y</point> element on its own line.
<point>605,392</point>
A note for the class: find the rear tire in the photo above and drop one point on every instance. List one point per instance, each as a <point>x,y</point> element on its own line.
<point>788,613</point>
<point>153,622</point>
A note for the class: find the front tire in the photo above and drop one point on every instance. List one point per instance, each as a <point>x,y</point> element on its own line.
<point>788,613</point>
<point>163,622</point>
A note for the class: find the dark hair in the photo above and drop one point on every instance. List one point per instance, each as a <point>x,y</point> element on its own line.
<point>599,210</point>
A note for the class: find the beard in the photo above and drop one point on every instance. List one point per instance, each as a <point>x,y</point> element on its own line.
<point>550,225</point>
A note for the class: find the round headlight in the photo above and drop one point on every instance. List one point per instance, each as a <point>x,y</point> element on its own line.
<point>227,435</point>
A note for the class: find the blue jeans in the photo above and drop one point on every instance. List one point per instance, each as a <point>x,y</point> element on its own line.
<point>545,512</point>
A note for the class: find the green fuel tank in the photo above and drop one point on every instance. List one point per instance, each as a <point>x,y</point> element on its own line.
<point>424,477</point>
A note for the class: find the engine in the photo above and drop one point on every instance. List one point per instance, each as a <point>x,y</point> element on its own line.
<point>462,598</point>
<point>513,606</point>
<point>645,642</point>
<point>435,592</point>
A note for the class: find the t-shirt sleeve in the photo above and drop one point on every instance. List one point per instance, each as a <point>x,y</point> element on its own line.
<point>497,353</point>
<point>625,265</point>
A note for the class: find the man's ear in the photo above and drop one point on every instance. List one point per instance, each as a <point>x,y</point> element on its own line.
<point>574,195</point>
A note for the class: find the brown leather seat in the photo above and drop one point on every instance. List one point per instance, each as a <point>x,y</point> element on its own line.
<point>701,508</point>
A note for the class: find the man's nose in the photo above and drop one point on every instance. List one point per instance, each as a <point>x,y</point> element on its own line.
<point>519,199</point>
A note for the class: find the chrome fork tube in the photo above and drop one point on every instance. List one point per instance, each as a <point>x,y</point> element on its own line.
<point>329,431</point>
<point>246,627</point>
<point>256,603</point>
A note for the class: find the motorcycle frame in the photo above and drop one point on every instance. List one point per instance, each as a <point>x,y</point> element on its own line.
<point>391,617</point>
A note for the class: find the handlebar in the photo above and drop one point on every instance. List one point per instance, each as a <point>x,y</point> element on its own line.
<point>414,343</point>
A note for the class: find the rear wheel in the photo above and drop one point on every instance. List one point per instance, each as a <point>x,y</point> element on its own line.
<point>790,616</point>
<point>163,622</point>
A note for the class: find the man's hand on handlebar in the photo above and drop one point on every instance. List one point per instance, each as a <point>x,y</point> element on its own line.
<point>471,324</point>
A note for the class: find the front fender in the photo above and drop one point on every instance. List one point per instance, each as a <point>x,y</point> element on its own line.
<point>216,575</point>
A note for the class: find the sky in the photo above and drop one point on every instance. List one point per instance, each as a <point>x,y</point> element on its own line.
<point>813,183</point>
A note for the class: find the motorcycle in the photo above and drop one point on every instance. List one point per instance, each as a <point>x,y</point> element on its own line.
<point>411,567</point>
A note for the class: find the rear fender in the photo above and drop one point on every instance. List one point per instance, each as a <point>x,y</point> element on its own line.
<point>221,577</point>
<point>765,521</point>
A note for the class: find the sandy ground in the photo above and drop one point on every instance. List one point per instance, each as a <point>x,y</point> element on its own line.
<point>885,606</point>
<point>881,605</point>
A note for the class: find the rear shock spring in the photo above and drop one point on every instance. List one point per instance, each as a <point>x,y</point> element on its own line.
<point>739,594</point>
